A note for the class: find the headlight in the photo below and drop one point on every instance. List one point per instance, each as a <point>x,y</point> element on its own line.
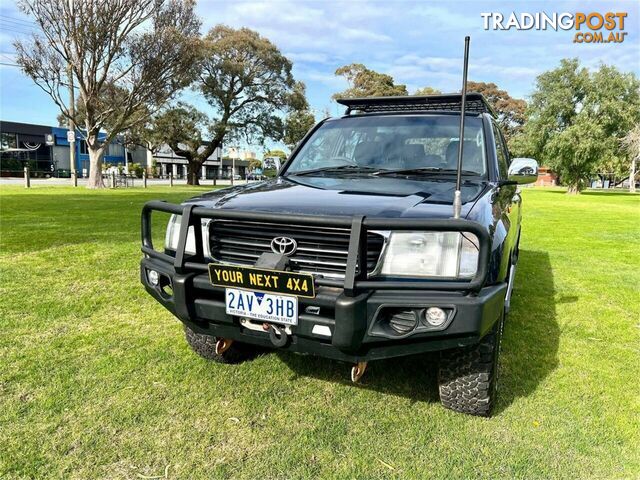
<point>173,235</point>
<point>431,254</point>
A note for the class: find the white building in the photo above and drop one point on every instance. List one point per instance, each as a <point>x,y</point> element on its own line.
<point>236,152</point>
<point>214,167</point>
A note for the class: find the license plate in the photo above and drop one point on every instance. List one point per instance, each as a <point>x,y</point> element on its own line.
<point>266,307</point>
<point>262,280</point>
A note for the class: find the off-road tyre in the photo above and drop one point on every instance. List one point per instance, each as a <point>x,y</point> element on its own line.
<point>205,346</point>
<point>468,376</point>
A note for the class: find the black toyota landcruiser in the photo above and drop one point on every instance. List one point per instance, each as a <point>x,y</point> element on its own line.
<point>353,252</point>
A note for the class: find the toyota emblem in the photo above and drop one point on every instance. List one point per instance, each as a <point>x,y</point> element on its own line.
<point>284,245</point>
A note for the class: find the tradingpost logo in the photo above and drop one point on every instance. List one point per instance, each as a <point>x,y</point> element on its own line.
<point>591,27</point>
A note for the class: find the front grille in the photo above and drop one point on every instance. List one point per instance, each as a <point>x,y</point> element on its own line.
<point>321,250</point>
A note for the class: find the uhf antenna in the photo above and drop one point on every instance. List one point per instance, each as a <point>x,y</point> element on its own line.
<point>457,196</point>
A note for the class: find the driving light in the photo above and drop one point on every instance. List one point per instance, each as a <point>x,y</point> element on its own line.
<point>435,316</point>
<point>153,277</point>
<point>173,236</point>
<point>431,254</point>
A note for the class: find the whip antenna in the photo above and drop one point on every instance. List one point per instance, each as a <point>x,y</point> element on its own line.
<point>457,196</point>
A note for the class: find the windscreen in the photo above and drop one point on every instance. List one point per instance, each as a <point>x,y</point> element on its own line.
<point>394,143</point>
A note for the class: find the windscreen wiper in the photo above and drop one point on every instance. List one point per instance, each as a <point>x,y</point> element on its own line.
<point>424,170</point>
<point>338,169</point>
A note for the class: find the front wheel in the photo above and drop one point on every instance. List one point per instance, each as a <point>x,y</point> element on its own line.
<point>205,346</point>
<point>468,376</point>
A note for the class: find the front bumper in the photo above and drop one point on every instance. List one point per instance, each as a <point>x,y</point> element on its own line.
<point>351,319</point>
<point>352,309</point>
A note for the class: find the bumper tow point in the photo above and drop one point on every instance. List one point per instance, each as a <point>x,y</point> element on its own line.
<point>357,371</point>
<point>222,345</point>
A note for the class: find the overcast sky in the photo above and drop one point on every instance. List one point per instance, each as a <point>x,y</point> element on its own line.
<point>418,43</point>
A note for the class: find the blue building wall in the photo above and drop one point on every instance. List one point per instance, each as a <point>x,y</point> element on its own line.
<point>82,159</point>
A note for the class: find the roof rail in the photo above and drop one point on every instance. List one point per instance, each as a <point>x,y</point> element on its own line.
<point>476,103</point>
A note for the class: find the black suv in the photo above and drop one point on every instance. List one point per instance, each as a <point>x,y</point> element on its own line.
<point>352,253</point>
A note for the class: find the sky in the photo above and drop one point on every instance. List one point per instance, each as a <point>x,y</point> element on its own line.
<point>418,43</point>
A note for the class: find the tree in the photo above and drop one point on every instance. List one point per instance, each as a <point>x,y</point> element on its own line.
<point>577,119</point>
<point>296,126</point>
<point>427,91</point>
<point>367,83</point>
<point>631,142</point>
<point>139,134</point>
<point>254,163</point>
<point>614,99</point>
<point>126,58</point>
<point>299,120</point>
<point>248,82</point>
<point>276,153</point>
<point>510,111</point>
<point>270,169</point>
<point>184,129</point>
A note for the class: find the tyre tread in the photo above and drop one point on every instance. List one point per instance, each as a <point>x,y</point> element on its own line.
<point>205,346</point>
<point>467,376</point>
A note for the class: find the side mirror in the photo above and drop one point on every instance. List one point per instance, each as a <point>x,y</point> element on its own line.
<point>523,170</point>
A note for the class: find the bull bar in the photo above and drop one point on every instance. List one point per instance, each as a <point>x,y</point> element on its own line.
<point>355,280</point>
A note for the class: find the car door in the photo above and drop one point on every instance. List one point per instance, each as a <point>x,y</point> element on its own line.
<point>509,200</point>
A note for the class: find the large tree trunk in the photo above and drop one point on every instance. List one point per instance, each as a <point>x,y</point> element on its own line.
<point>193,170</point>
<point>632,177</point>
<point>95,165</point>
<point>573,189</point>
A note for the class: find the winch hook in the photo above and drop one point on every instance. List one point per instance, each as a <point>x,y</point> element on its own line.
<point>277,335</point>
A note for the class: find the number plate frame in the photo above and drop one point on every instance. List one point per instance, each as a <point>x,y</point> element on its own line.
<point>263,301</point>
<point>262,280</point>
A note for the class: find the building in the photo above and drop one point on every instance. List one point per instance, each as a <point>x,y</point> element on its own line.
<point>235,152</point>
<point>546,178</point>
<point>23,144</point>
<point>115,153</point>
<point>46,150</point>
<point>216,166</point>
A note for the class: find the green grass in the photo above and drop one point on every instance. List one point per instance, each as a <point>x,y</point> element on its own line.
<point>96,380</point>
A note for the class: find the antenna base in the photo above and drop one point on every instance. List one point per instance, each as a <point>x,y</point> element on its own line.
<point>457,204</point>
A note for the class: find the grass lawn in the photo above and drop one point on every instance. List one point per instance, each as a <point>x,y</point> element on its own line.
<point>96,380</point>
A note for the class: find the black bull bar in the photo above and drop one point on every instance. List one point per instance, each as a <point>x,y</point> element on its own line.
<point>354,279</point>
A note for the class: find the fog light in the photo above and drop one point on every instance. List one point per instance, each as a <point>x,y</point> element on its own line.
<point>435,316</point>
<point>154,278</point>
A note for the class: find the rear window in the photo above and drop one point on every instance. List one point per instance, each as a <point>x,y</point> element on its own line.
<point>394,142</point>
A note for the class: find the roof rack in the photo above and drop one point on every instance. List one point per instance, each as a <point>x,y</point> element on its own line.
<point>475,103</point>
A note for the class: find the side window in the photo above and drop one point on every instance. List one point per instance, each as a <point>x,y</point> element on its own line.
<point>501,152</point>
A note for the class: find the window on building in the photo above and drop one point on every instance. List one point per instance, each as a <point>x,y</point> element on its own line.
<point>8,140</point>
<point>115,150</point>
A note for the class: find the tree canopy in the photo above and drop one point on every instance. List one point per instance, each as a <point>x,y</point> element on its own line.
<point>300,118</point>
<point>578,118</point>
<point>427,91</point>
<point>367,83</point>
<point>296,126</point>
<point>183,128</point>
<point>248,82</point>
<point>275,153</point>
<point>510,111</point>
<point>126,57</point>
